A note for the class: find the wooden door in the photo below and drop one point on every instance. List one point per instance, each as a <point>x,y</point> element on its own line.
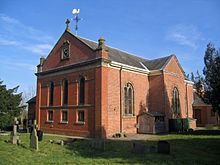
<point>198,116</point>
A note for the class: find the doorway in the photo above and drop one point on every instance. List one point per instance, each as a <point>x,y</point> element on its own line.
<point>198,116</point>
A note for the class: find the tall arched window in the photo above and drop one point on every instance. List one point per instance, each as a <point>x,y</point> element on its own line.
<point>65,92</point>
<point>51,93</point>
<point>128,99</point>
<point>176,103</point>
<point>82,90</point>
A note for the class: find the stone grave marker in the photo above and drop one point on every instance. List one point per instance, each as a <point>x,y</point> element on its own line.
<point>139,148</point>
<point>14,137</point>
<point>98,144</point>
<point>163,147</point>
<point>34,138</point>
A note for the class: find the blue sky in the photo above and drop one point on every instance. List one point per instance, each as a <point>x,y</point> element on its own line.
<point>150,28</point>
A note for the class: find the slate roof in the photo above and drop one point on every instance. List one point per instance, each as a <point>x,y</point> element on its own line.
<point>198,100</point>
<point>158,63</point>
<point>32,100</point>
<point>129,59</point>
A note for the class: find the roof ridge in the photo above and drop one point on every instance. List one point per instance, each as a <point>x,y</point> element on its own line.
<point>162,57</point>
<point>131,54</point>
<point>118,55</point>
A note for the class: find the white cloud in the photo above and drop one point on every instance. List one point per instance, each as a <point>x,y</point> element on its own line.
<point>8,42</point>
<point>14,33</point>
<point>187,35</point>
<point>18,64</point>
<point>41,49</point>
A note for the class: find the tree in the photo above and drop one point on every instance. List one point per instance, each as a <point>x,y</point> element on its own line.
<point>198,83</point>
<point>9,105</point>
<point>212,77</point>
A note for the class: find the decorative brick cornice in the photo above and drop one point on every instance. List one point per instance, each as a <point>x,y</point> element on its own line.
<point>67,107</point>
<point>91,63</point>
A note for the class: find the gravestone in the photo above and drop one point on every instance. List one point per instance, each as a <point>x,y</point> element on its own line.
<point>139,148</point>
<point>163,147</point>
<point>14,137</point>
<point>98,144</point>
<point>34,138</point>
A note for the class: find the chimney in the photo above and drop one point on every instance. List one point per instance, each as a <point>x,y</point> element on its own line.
<point>39,67</point>
<point>102,50</point>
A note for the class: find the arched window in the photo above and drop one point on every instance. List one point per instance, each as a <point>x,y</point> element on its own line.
<point>51,93</point>
<point>82,90</point>
<point>65,92</point>
<point>176,103</point>
<point>128,99</point>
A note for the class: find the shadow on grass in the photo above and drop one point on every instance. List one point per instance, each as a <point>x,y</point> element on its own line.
<point>202,132</point>
<point>202,150</point>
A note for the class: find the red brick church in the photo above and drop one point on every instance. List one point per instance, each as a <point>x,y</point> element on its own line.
<point>89,89</point>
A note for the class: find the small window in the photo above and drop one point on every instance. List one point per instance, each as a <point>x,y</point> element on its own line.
<point>212,113</point>
<point>159,119</point>
<point>81,116</point>
<point>65,92</point>
<point>51,93</point>
<point>64,116</point>
<point>65,50</point>
<point>81,90</point>
<point>50,116</point>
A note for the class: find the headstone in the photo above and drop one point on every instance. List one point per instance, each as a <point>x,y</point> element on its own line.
<point>14,138</point>
<point>98,144</point>
<point>34,138</point>
<point>40,135</point>
<point>139,148</point>
<point>163,147</point>
<point>152,149</point>
<point>61,142</point>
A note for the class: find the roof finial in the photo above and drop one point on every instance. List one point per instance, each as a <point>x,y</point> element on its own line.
<point>67,25</point>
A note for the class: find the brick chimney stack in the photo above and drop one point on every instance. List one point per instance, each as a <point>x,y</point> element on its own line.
<point>102,50</point>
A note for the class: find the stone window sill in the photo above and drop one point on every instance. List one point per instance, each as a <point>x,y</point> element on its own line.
<point>64,122</point>
<point>129,116</point>
<point>49,121</point>
<point>80,122</point>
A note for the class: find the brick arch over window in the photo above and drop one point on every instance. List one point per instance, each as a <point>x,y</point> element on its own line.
<point>81,94</point>
<point>128,99</point>
<point>65,92</point>
<point>175,103</point>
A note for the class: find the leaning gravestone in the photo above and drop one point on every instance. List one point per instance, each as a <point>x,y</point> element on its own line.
<point>14,137</point>
<point>34,138</point>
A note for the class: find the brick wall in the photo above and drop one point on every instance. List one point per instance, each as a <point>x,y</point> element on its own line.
<point>206,117</point>
<point>117,78</point>
<point>156,93</point>
<point>31,111</point>
<point>79,52</point>
<point>161,91</point>
<point>72,127</point>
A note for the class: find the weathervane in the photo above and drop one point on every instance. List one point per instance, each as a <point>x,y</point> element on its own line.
<point>76,18</point>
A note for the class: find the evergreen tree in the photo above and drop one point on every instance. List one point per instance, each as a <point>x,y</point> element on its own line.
<point>212,77</point>
<point>9,105</point>
<point>198,83</point>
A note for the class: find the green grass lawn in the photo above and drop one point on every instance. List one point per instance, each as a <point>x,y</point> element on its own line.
<point>185,149</point>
